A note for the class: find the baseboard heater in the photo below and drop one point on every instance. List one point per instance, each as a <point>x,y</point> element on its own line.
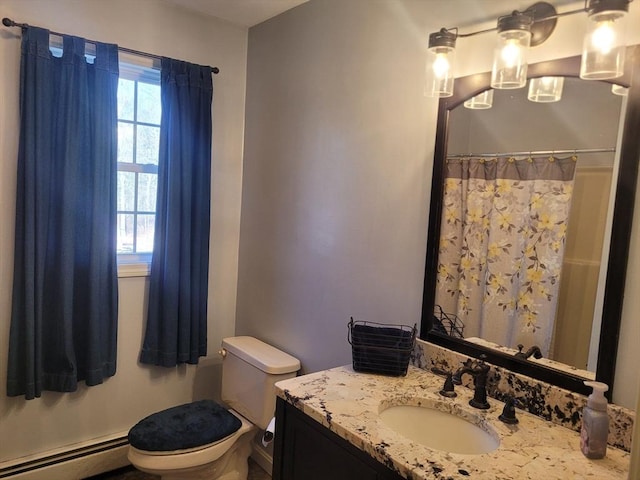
<point>75,462</point>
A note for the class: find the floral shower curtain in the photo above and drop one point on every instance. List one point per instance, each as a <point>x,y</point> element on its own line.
<point>504,223</point>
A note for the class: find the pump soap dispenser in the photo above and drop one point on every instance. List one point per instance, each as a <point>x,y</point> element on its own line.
<point>595,422</point>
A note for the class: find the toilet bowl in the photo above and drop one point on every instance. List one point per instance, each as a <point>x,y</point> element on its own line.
<point>250,370</point>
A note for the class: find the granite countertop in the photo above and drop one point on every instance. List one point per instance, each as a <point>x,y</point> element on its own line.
<point>348,404</point>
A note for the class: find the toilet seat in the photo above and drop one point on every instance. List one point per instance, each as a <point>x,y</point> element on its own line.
<point>187,426</point>
<point>190,457</point>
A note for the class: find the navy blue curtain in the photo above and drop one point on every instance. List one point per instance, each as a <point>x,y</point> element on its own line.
<point>64,312</point>
<point>176,330</point>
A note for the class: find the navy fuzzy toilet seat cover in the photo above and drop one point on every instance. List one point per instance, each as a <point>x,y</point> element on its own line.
<point>185,426</point>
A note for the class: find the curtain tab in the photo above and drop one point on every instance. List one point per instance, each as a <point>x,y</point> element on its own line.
<point>36,41</point>
<point>72,46</point>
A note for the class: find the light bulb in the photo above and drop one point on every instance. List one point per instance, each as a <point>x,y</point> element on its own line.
<point>603,38</point>
<point>510,54</point>
<point>441,65</point>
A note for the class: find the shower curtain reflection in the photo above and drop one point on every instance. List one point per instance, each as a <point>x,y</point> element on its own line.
<point>504,224</point>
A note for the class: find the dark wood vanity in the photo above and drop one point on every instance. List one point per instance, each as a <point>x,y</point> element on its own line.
<point>306,450</point>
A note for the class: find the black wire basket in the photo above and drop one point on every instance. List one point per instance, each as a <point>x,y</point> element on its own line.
<point>447,323</point>
<point>381,348</point>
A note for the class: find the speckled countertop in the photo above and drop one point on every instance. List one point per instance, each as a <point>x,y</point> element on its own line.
<point>348,403</point>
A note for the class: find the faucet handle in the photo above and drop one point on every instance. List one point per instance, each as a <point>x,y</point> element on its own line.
<point>508,414</point>
<point>448,388</point>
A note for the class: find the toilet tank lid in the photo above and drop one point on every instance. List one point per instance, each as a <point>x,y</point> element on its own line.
<point>261,355</point>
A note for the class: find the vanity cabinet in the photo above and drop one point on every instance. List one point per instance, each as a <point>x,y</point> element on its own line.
<point>306,450</point>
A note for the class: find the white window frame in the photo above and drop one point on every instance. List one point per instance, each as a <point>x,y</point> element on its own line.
<point>137,68</point>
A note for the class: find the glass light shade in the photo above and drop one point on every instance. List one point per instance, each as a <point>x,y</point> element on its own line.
<point>510,59</point>
<point>440,71</point>
<point>604,46</point>
<point>482,101</point>
<point>545,89</point>
<point>619,90</point>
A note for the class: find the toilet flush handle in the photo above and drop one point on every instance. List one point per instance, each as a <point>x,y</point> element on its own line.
<point>222,352</point>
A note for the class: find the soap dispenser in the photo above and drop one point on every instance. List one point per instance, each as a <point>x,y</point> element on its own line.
<point>595,422</point>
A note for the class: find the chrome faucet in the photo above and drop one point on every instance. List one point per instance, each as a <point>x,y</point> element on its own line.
<point>534,350</point>
<point>479,370</point>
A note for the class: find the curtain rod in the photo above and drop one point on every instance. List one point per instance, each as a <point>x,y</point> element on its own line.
<point>535,152</point>
<point>7,22</point>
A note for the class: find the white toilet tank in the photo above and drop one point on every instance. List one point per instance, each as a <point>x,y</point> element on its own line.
<point>250,369</point>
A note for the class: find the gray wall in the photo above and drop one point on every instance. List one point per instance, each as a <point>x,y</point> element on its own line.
<point>336,176</point>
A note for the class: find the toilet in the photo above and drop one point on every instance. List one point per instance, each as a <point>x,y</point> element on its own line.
<point>204,440</point>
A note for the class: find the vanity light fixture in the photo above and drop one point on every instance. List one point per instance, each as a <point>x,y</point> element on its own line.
<point>482,101</point>
<point>545,89</point>
<point>510,56</point>
<point>603,46</point>
<point>440,64</point>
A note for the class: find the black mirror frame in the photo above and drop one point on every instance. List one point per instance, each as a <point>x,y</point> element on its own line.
<point>470,86</point>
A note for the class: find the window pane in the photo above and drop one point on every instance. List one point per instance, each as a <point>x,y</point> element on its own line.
<point>147,185</point>
<point>125,142</point>
<point>125,99</point>
<point>146,224</point>
<point>138,102</point>
<point>149,104</point>
<point>148,144</point>
<point>125,233</point>
<point>126,191</point>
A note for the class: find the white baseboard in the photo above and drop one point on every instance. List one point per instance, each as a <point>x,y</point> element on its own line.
<point>84,460</point>
<point>262,457</point>
<point>75,462</point>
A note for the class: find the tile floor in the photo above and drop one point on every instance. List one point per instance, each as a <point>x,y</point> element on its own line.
<point>130,473</point>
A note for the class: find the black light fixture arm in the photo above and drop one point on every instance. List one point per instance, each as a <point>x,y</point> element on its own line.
<point>540,13</point>
<point>7,22</point>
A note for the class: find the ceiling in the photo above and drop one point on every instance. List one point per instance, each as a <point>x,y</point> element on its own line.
<point>244,13</point>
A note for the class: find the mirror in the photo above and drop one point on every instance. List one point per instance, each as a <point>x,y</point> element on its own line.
<point>604,348</point>
<point>533,194</point>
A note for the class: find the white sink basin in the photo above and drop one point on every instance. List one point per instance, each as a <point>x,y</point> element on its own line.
<point>440,430</point>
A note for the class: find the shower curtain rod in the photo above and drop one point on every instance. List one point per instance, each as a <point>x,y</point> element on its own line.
<point>535,152</point>
<point>7,22</point>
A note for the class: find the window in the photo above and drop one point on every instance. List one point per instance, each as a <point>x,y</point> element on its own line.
<point>139,111</point>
